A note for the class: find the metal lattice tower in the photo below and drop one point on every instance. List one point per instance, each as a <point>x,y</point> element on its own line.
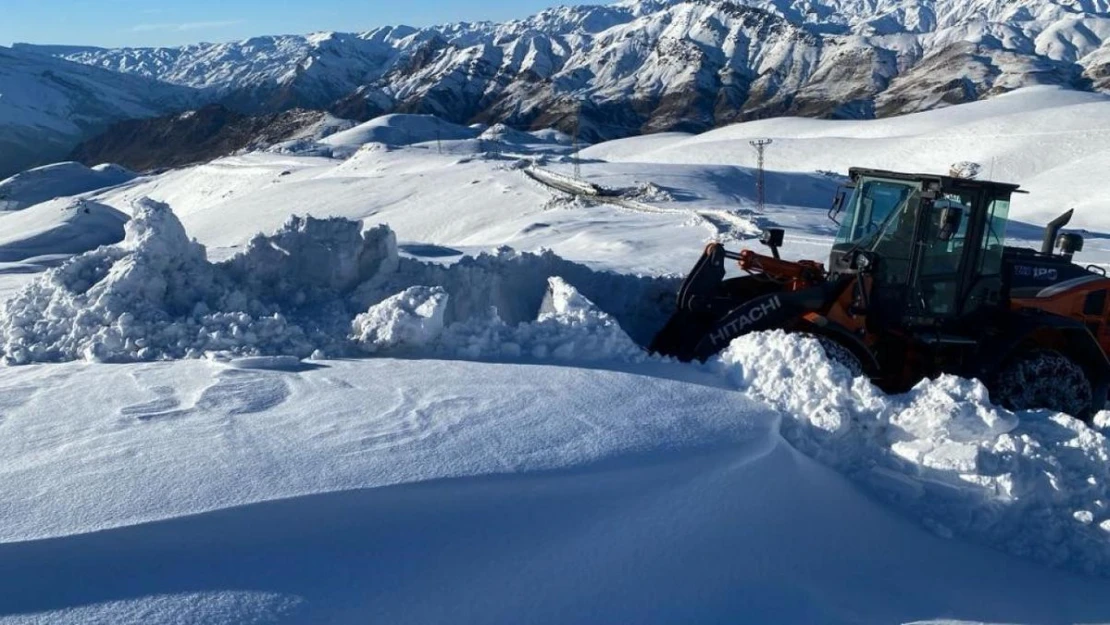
<point>761,148</point>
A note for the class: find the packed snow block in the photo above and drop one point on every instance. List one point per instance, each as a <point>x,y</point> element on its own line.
<point>412,318</point>
<point>58,180</point>
<point>513,285</point>
<point>569,327</point>
<point>1036,485</point>
<point>310,255</point>
<point>65,226</point>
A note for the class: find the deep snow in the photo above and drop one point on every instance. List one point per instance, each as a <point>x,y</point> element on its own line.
<point>347,492</point>
<point>960,465</point>
<point>523,457</point>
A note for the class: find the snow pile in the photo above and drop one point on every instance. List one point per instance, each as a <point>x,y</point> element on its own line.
<point>965,169</point>
<point>552,135</point>
<point>58,180</point>
<point>1035,484</point>
<point>296,292</point>
<point>510,136</point>
<point>569,327</point>
<point>411,318</point>
<point>650,192</point>
<point>155,295</point>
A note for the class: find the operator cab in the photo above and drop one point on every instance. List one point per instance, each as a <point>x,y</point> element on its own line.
<point>933,245</point>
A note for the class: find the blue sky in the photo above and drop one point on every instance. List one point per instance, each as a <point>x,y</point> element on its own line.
<point>114,23</point>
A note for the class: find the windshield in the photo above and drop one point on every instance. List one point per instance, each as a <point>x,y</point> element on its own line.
<point>875,206</point>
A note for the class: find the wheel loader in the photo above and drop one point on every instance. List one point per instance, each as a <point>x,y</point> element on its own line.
<point>919,282</point>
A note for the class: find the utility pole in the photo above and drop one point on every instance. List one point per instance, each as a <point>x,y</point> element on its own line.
<point>761,148</point>
<point>577,145</point>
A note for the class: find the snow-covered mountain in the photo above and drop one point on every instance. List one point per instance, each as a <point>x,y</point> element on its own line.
<point>48,105</point>
<point>650,65</point>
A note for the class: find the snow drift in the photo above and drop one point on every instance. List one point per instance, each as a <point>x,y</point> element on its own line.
<point>1036,484</point>
<point>156,296</point>
<point>399,129</point>
<point>58,180</point>
<point>63,226</point>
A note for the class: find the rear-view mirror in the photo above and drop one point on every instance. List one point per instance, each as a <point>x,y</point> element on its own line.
<point>951,218</point>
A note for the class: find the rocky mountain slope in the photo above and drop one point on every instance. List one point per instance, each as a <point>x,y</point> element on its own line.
<point>197,136</point>
<point>48,105</point>
<point>652,65</point>
<point>604,71</point>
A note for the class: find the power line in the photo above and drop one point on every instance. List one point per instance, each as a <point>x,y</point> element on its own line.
<point>760,146</point>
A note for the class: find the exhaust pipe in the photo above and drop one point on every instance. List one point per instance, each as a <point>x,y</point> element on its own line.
<point>1052,229</point>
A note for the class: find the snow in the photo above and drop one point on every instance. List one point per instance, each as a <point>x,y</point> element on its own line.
<point>398,130</point>
<point>413,317</point>
<point>49,105</point>
<point>709,62</point>
<point>155,296</point>
<point>408,386</point>
<point>68,226</point>
<point>58,180</point>
<point>351,489</point>
<point>942,452</point>
<point>1048,140</point>
<point>568,328</point>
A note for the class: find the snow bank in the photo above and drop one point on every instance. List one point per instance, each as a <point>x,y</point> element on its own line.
<point>1035,484</point>
<point>569,327</point>
<point>296,292</point>
<point>58,180</point>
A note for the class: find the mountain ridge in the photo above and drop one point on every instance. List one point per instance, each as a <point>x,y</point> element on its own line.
<point>651,65</point>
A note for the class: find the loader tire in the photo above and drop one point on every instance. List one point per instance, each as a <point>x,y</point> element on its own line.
<point>839,354</point>
<point>1044,379</point>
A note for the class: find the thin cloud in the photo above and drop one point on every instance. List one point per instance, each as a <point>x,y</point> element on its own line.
<point>186,26</point>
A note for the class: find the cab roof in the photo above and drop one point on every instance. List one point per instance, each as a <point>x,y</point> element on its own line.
<point>945,182</point>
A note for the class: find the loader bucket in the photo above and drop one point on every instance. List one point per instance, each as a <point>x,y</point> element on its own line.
<point>710,311</point>
<point>704,299</point>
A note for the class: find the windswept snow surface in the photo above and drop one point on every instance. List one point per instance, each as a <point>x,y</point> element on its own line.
<point>433,491</point>
<point>65,226</point>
